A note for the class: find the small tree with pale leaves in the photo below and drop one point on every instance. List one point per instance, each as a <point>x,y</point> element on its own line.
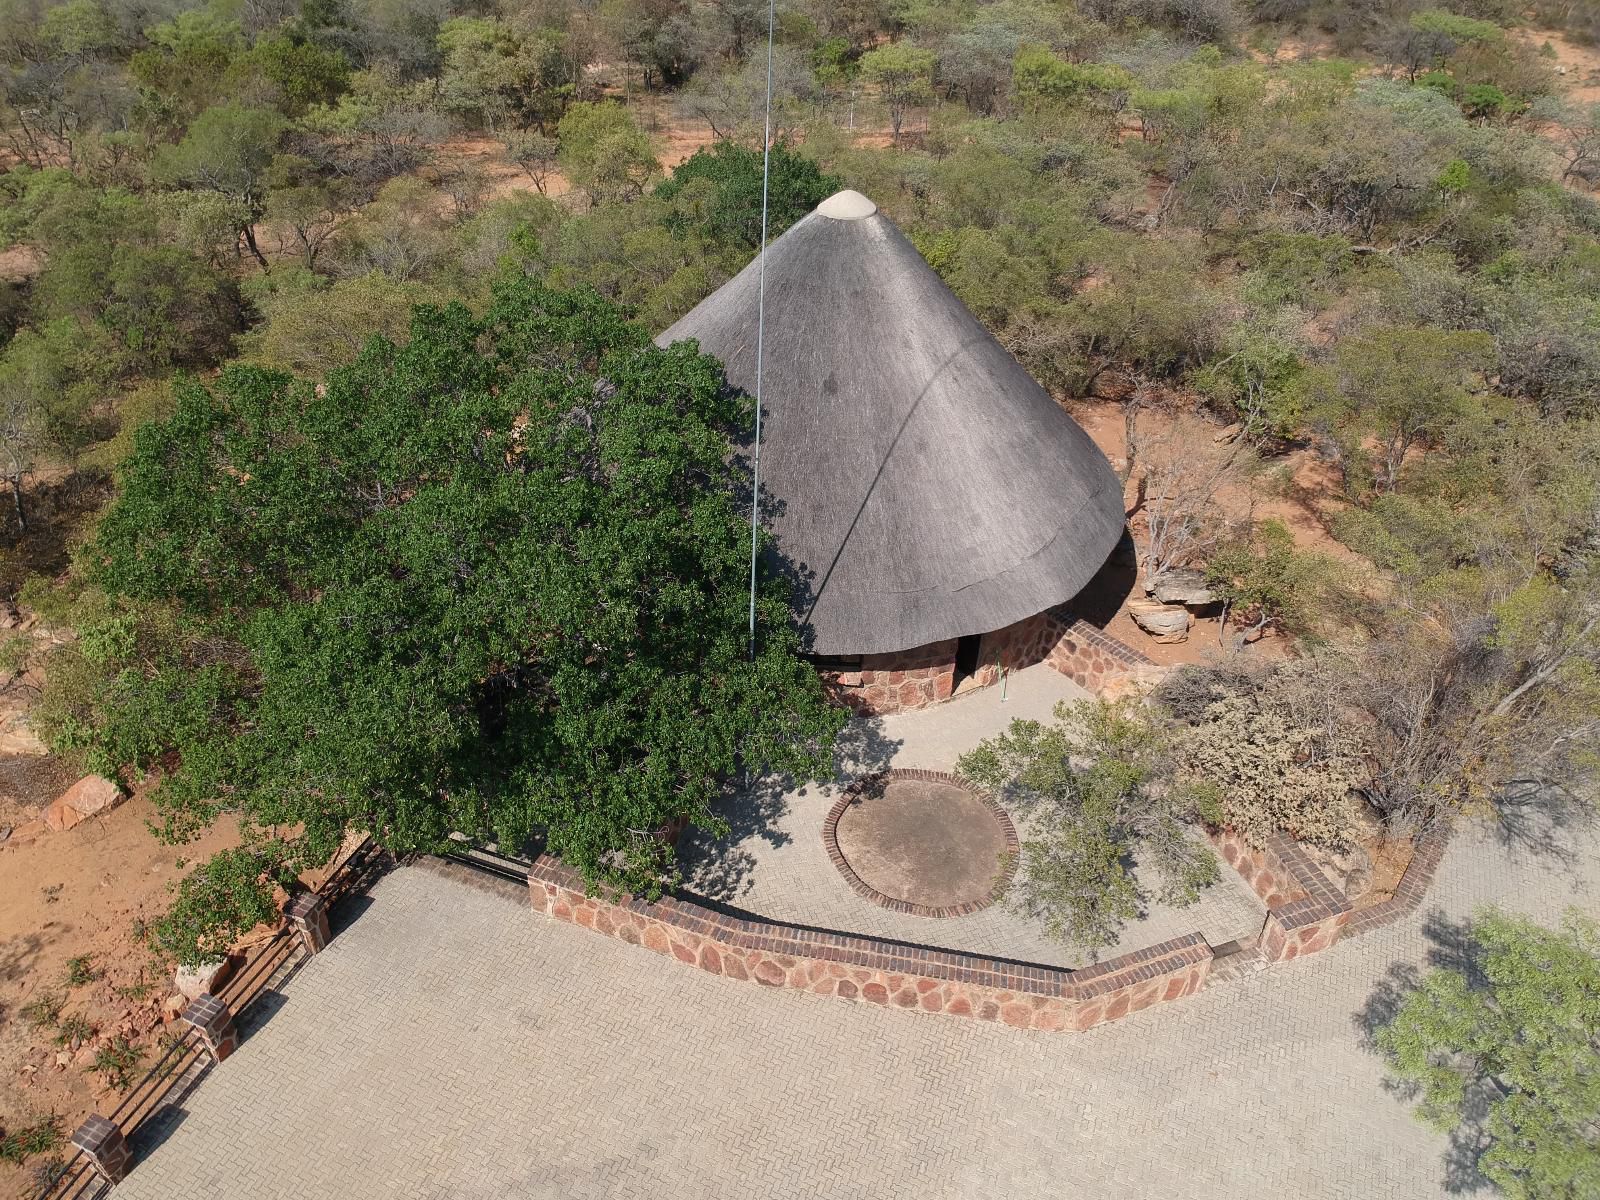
<point>1094,790</point>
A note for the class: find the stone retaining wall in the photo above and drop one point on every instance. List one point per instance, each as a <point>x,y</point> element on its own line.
<point>874,971</point>
<point>1305,912</point>
<point>1090,656</point>
<point>1266,873</point>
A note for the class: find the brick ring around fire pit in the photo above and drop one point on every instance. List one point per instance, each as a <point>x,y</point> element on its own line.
<point>921,842</point>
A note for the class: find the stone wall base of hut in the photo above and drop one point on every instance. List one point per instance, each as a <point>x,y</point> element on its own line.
<point>926,675</point>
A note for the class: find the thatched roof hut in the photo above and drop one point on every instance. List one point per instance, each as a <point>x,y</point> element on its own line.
<point>924,484</point>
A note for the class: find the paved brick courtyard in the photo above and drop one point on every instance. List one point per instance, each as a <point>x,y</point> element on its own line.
<point>450,1044</point>
<point>774,862</point>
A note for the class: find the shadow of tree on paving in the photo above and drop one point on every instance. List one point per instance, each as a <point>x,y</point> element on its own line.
<point>1452,945</point>
<point>721,868</point>
<point>1537,819</point>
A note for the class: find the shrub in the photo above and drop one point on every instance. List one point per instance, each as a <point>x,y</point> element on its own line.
<point>731,211</point>
<point>117,1061</point>
<point>1262,579</point>
<point>228,896</point>
<point>1094,786</point>
<point>44,1012</point>
<point>1267,750</point>
<point>74,1031</point>
<point>1504,1053</point>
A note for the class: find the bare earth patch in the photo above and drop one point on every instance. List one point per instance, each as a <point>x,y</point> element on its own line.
<point>1306,499</point>
<point>67,895</point>
<point>931,844</point>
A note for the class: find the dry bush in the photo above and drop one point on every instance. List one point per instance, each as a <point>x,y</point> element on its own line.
<point>1184,471</point>
<point>1267,751</point>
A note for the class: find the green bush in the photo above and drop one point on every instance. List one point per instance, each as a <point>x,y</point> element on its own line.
<point>117,1060</point>
<point>216,904</point>
<point>1504,1053</point>
<point>41,1137</point>
<point>1263,580</point>
<point>732,214</point>
<point>1095,786</point>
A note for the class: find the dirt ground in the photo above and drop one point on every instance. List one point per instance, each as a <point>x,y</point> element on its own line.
<point>63,896</point>
<point>1390,857</point>
<point>489,156</point>
<point>1578,66</point>
<point>1304,496</point>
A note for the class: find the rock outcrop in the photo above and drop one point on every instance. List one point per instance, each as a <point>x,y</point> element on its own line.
<point>91,794</point>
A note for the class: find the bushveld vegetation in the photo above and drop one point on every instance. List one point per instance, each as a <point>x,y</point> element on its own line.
<point>414,532</point>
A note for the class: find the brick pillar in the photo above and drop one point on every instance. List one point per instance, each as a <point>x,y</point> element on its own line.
<point>210,1018</point>
<point>102,1144</point>
<point>308,913</point>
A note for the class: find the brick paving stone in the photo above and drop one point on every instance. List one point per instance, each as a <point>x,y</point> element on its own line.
<point>449,1044</point>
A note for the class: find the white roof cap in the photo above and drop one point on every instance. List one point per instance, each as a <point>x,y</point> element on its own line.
<point>847,205</point>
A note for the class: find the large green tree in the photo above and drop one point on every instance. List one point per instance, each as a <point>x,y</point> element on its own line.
<point>228,149</point>
<point>904,75</point>
<point>604,153</point>
<point>493,581</point>
<point>726,204</point>
<point>1096,787</point>
<point>1505,1053</point>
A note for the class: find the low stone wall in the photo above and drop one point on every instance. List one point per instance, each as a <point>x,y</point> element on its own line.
<point>1089,656</point>
<point>1305,912</point>
<point>874,971</point>
<point>925,675</point>
<point>1413,885</point>
<point>1262,869</point>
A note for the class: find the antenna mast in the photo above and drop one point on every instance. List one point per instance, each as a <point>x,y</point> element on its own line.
<point>761,321</point>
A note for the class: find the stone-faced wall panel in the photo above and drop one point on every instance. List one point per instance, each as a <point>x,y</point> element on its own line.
<point>925,675</point>
<point>867,970</point>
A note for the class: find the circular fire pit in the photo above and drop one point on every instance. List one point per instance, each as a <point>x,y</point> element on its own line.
<point>921,842</point>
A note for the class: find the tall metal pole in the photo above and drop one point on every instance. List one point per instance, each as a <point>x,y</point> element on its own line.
<point>761,325</point>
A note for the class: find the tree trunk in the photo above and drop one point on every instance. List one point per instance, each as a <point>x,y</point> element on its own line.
<point>249,232</point>
<point>16,502</point>
<point>1130,433</point>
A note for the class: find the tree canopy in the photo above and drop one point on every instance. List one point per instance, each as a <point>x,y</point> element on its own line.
<point>1503,1052</point>
<point>731,212</point>
<point>493,581</point>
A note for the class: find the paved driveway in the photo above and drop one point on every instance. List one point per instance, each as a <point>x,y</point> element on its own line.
<point>450,1044</point>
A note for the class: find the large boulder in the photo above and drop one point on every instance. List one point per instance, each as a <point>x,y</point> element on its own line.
<point>91,794</point>
<point>194,982</point>
<point>1181,586</point>
<point>1167,623</point>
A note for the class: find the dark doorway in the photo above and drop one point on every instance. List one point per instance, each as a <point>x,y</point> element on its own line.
<point>966,658</point>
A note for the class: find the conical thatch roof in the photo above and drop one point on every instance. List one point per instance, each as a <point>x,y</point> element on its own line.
<point>924,484</point>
